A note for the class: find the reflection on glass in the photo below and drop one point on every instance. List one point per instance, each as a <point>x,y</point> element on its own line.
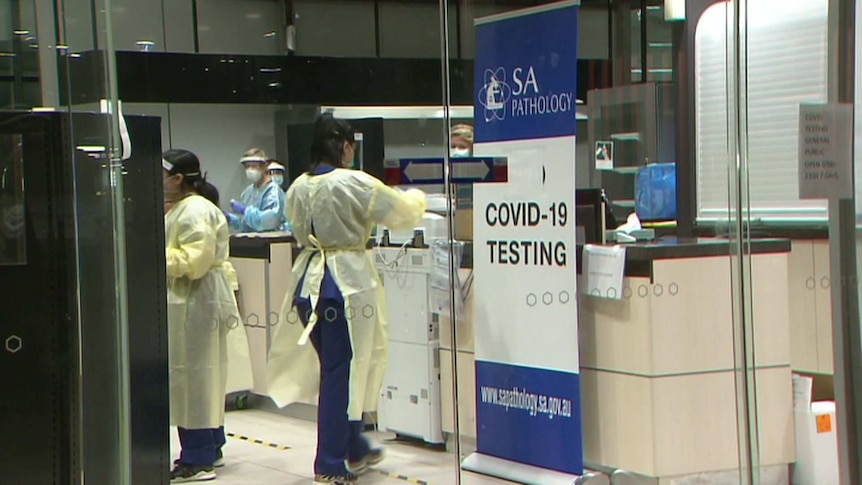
<point>359,161</point>
<point>13,241</point>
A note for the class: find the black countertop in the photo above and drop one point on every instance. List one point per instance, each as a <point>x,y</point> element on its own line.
<point>242,240</point>
<point>673,247</point>
<point>256,246</point>
<point>770,230</point>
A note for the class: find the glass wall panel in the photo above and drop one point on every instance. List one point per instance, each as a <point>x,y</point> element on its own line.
<point>794,166</point>
<point>65,217</point>
<point>669,385</point>
<point>727,110</point>
<point>335,28</point>
<point>257,76</point>
<point>83,46</point>
<point>621,275</point>
<point>19,55</point>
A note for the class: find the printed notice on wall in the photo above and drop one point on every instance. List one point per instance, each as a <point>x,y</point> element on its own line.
<point>825,135</point>
<point>604,155</point>
<point>603,271</point>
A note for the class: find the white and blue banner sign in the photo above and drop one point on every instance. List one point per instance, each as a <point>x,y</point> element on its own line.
<point>526,75</point>
<point>528,385</point>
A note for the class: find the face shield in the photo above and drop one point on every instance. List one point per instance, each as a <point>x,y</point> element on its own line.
<point>277,177</point>
<point>276,172</point>
<point>254,168</point>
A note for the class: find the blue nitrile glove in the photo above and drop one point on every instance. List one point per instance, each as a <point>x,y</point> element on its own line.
<point>237,207</point>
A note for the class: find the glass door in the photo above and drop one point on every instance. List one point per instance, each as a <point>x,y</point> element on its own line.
<point>63,245</point>
<point>644,330</point>
<point>793,176</point>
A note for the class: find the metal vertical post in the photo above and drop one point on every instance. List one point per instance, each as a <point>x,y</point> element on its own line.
<point>843,259</point>
<point>745,358</point>
<point>445,60</point>
<point>103,34</point>
<point>644,42</point>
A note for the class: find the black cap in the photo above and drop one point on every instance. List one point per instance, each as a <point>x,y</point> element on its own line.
<point>182,162</point>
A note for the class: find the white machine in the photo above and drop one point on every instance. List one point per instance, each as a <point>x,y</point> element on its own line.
<point>434,225</point>
<point>410,399</point>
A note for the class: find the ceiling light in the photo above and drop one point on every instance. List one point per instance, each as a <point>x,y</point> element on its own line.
<point>674,10</point>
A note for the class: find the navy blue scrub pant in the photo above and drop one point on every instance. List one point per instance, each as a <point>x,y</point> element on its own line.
<point>338,438</point>
<point>200,446</point>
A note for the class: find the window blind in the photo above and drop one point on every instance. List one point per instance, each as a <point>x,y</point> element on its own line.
<point>787,66</point>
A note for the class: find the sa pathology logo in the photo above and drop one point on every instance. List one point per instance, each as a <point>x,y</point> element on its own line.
<point>494,94</point>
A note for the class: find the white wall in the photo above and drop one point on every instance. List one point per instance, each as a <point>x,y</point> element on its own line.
<point>218,135</point>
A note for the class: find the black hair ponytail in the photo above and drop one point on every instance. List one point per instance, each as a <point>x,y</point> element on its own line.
<point>208,191</point>
<point>187,164</point>
<point>327,144</point>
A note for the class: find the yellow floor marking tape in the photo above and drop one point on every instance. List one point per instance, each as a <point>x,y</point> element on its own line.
<point>402,478</point>
<point>274,446</point>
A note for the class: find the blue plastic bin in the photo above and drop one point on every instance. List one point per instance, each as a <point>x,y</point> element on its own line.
<point>655,192</point>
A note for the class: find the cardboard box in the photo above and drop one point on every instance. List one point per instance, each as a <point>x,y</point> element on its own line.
<point>464,224</point>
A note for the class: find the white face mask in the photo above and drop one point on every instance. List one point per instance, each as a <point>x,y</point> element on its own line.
<point>253,175</point>
<point>460,153</point>
<point>171,189</point>
<point>278,179</point>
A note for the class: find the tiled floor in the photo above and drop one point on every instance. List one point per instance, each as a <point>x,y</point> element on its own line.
<point>250,463</point>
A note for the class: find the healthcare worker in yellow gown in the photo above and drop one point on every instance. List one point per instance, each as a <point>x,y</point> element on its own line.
<point>336,300</point>
<point>204,325</point>
<point>239,374</point>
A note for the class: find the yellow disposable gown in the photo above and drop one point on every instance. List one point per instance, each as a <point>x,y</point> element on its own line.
<point>202,312</point>
<point>239,370</point>
<point>344,205</point>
